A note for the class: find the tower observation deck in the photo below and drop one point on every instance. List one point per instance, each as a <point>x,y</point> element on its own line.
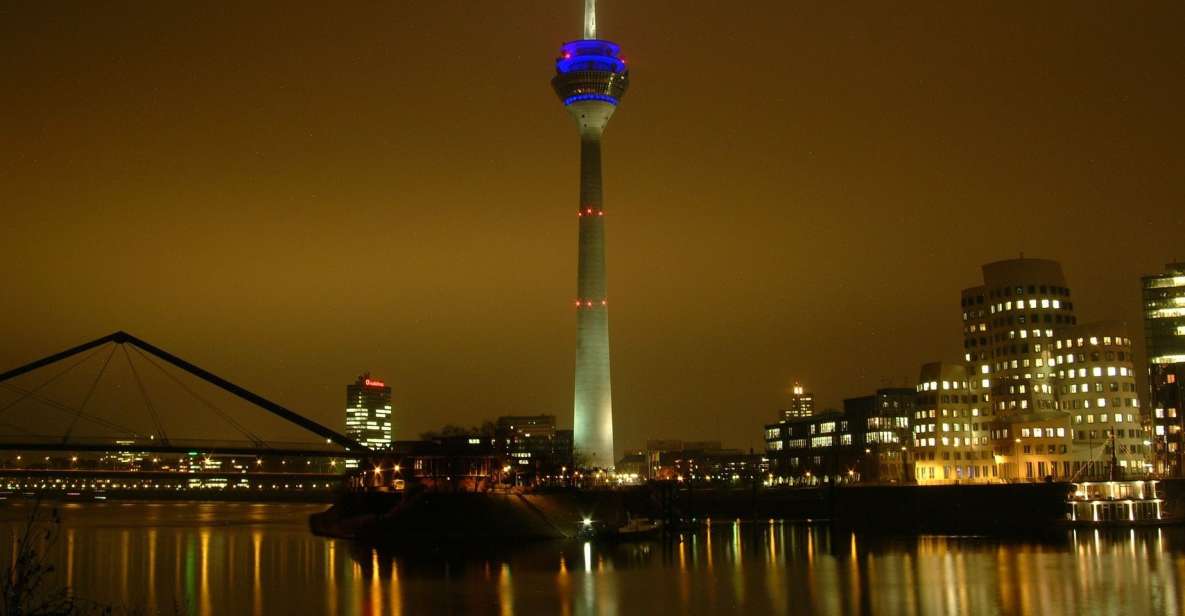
<point>590,79</point>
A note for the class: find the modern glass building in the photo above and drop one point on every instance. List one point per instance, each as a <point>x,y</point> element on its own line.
<point>867,442</point>
<point>368,412</point>
<point>1164,332</point>
<point>534,443</point>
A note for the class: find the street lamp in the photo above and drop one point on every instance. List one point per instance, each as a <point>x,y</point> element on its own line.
<point>1016,457</point>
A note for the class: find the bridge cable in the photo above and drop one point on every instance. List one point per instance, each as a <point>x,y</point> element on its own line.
<point>160,430</point>
<point>14,427</point>
<point>89,393</point>
<point>53,378</point>
<point>60,406</point>
<point>237,426</point>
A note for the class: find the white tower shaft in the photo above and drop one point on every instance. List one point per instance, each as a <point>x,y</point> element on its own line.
<point>590,79</point>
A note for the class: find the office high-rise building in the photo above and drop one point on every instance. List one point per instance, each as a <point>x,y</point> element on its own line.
<point>590,79</point>
<point>368,412</point>
<point>1164,333</point>
<point>802,403</point>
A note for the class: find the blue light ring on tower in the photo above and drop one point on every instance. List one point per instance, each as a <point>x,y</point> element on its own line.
<point>590,48</point>
<point>605,85</point>
<point>590,63</point>
<point>590,69</point>
<point>590,56</point>
<point>590,97</point>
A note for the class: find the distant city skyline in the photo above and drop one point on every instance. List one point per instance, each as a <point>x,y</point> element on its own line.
<point>293,199</point>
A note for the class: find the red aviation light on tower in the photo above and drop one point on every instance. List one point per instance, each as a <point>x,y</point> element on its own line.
<point>373,383</point>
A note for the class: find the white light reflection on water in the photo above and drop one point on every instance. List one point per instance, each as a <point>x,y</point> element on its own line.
<point>236,559</point>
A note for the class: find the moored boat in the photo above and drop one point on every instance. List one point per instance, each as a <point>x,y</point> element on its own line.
<point>1117,503</point>
<point>638,528</point>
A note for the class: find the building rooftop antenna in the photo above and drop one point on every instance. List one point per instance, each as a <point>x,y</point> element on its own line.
<point>590,20</point>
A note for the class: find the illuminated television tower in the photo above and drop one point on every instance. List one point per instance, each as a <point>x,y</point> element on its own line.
<point>590,79</point>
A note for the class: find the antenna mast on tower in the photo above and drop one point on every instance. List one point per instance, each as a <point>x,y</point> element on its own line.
<point>590,20</point>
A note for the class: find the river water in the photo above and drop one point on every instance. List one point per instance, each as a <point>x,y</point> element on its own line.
<point>238,558</point>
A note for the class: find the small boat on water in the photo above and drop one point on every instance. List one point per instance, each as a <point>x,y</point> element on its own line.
<point>639,528</point>
<point>1117,503</point>
<point>633,529</point>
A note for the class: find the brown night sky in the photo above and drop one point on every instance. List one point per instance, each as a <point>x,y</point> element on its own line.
<point>289,195</point>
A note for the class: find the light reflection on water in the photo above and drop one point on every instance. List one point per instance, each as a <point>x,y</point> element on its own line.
<point>230,558</point>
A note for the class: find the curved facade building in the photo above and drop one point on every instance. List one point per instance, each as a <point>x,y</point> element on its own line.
<point>1010,324</point>
<point>590,79</point>
<point>1097,388</point>
<point>1039,395</point>
<point>949,432</point>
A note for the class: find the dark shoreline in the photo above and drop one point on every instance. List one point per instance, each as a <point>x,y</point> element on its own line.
<point>972,509</point>
<point>213,496</point>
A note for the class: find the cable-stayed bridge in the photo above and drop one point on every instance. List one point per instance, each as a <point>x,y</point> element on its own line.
<point>118,408</point>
